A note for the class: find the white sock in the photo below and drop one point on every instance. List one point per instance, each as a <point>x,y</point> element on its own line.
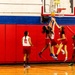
<point>65,57</point>
<point>62,51</point>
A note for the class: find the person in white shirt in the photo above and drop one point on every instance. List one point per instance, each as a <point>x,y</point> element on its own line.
<point>26,43</point>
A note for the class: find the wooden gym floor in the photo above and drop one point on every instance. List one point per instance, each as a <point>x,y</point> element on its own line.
<point>38,69</point>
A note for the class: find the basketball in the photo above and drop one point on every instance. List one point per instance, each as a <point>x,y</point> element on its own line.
<point>53,14</point>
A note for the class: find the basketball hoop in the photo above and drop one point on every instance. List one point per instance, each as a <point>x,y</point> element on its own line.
<point>59,11</point>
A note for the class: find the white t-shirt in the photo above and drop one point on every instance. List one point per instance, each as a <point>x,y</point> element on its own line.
<point>52,36</point>
<point>25,41</point>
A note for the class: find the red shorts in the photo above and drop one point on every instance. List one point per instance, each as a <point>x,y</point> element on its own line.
<point>26,49</point>
<point>63,41</point>
<point>47,41</point>
<point>53,42</point>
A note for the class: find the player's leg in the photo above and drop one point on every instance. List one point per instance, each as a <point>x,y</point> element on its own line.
<point>65,48</point>
<point>27,60</point>
<point>72,61</point>
<point>52,54</point>
<point>53,43</point>
<point>57,46</point>
<point>59,49</point>
<point>24,59</point>
<point>45,47</point>
<point>28,56</point>
<point>47,42</point>
<point>52,50</point>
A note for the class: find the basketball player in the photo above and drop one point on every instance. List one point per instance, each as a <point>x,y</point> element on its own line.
<point>26,43</point>
<point>52,24</point>
<point>73,55</point>
<point>48,31</point>
<point>63,42</point>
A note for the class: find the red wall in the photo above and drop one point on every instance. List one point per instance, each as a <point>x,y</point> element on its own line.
<point>11,47</point>
<point>2,43</point>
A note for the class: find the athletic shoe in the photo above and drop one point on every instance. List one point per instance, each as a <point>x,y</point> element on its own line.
<point>71,64</point>
<point>24,65</point>
<point>27,66</point>
<point>65,59</point>
<point>40,53</point>
<point>53,56</point>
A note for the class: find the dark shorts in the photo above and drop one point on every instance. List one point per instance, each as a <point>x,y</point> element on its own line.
<point>26,49</point>
<point>47,41</point>
<point>53,42</point>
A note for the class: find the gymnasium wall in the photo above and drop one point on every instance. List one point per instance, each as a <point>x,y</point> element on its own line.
<point>11,50</point>
<point>18,16</point>
<point>20,7</point>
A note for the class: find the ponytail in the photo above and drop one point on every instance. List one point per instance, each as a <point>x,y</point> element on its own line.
<point>25,34</point>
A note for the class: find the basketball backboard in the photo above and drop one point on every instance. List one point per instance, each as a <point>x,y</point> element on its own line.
<point>62,7</point>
